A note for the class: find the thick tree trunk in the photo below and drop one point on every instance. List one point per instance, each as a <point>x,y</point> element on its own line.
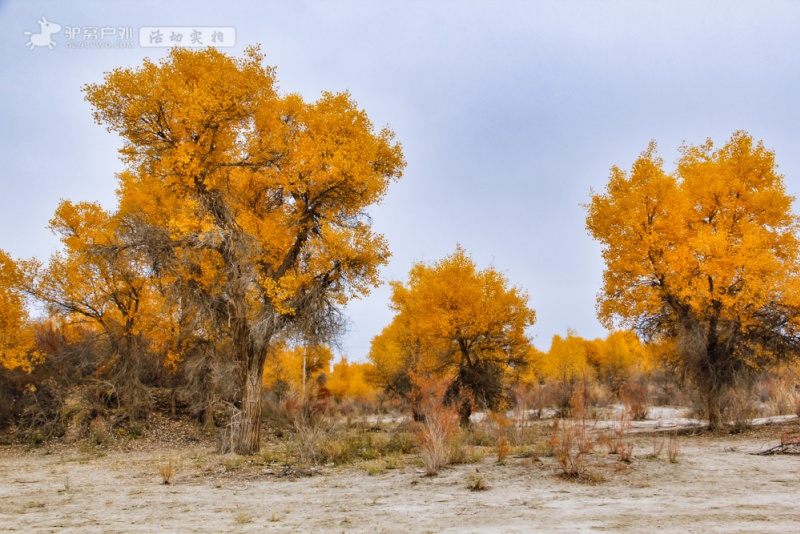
<point>247,437</point>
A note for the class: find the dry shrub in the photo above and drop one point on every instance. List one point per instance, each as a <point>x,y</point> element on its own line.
<point>463,449</point>
<point>440,425</point>
<point>616,436</point>
<point>166,471</point>
<point>778,395</point>
<point>658,446</point>
<point>328,440</point>
<point>571,440</point>
<point>476,482</point>
<point>310,437</point>
<point>208,384</point>
<point>570,443</point>
<point>636,401</point>
<point>521,432</point>
<point>673,449</point>
<point>502,450</point>
<point>626,450</point>
<point>738,407</point>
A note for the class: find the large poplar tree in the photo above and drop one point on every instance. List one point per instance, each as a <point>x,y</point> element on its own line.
<point>249,202</point>
<point>707,256</point>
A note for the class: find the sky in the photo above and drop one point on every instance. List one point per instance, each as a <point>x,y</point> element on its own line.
<point>509,112</point>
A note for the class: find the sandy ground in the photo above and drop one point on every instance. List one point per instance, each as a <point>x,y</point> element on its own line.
<point>716,486</point>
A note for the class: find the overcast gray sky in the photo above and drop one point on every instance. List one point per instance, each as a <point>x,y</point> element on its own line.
<point>509,112</point>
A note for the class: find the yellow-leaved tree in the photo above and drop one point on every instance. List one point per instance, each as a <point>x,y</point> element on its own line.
<point>292,368</point>
<point>349,381</point>
<point>99,282</point>
<point>455,321</point>
<point>250,203</point>
<point>567,367</point>
<point>706,256</point>
<point>17,339</point>
<point>618,358</point>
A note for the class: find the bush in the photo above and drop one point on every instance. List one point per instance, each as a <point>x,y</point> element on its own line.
<point>435,434</point>
<point>571,440</point>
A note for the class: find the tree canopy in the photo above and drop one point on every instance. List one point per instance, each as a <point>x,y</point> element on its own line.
<point>17,340</point>
<point>706,255</point>
<point>453,319</point>
<point>248,203</point>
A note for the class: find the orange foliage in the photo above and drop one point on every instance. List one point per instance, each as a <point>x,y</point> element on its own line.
<point>455,321</point>
<point>17,339</point>
<point>708,255</point>
<point>348,380</point>
<point>284,369</point>
<point>251,203</point>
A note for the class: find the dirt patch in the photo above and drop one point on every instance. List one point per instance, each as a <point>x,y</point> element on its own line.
<point>717,485</point>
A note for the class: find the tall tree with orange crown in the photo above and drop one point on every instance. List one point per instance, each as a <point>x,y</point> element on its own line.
<point>707,256</point>
<point>250,203</point>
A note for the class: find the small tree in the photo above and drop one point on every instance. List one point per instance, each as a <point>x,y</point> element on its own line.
<point>456,321</point>
<point>566,366</point>
<point>99,283</point>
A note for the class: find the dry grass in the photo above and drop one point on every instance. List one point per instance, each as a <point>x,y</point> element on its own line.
<point>476,482</point>
<point>166,471</point>
<point>502,450</point>
<point>434,439</point>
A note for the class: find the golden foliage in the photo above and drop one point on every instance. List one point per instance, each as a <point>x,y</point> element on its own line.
<point>566,362</point>
<point>284,369</point>
<point>17,339</point>
<point>707,256</point>
<point>348,380</point>
<point>618,357</point>
<point>250,204</point>
<point>216,155</point>
<point>716,239</point>
<point>452,318</point>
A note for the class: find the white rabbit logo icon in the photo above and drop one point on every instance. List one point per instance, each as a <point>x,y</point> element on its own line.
<point>43,38</point>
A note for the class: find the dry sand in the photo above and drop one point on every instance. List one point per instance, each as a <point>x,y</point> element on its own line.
<point>716,486</point>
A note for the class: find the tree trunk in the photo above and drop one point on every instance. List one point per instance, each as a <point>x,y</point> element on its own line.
<point>247,437</point>
<point>713,408</point>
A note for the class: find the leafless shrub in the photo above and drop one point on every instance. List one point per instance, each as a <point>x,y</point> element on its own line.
<point>571,440</point>
<point>737,404</point>
<point>311,436</point>
<point>673,449</point>
<point>617,434</point>
<point>658,446</point>
<point>626,450</point>
<point>435,434</point>
<point>209,383</point>
<point>227,434</point>
<point>636,401</point>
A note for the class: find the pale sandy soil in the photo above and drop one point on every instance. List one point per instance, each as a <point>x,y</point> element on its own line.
<point>716,486</point>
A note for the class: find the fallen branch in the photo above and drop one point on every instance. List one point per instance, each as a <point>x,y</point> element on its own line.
<point>789,445</point>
